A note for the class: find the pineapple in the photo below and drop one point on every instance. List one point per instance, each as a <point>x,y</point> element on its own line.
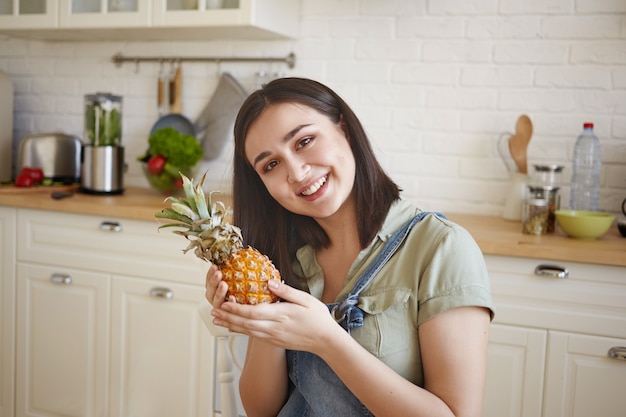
<point>213,239</point>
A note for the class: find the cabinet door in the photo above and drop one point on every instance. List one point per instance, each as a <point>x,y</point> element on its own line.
<point>162,354</point>
<point>275,18</point>
<point>29,14</point>
<point>62,342</point>
<point>104,14</point>
<point>515,367</point>
<point>581,379</point>
<point>7,309</point>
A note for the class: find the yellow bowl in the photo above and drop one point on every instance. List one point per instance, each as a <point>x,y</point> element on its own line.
<point>583,224</point>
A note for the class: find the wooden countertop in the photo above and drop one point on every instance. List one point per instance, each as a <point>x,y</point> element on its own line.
<point>494,235</point>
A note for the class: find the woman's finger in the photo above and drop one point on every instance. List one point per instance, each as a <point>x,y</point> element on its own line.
<point>287,293</point>
<point>216,289</point>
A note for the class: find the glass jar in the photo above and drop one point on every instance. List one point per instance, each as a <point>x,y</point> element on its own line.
<point>552,198</point>
<point>535,216</point>
<point>548,175</point>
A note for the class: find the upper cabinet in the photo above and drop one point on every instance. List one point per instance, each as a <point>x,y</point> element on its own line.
<point>129,20</point>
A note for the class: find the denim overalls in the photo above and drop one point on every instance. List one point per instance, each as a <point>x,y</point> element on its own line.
<point>315,388</point>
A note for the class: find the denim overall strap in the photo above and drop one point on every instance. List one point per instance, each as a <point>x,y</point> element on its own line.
<point>346,313</point>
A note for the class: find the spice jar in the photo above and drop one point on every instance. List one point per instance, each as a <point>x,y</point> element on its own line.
<point>548,175</point>
<point>535,216</point>
<point>551,196</point>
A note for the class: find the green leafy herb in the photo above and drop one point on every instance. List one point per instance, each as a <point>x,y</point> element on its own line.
<point>180,150</point>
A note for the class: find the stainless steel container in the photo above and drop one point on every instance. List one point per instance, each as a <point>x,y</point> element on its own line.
<point>57,154</point>
<point>102,169</point>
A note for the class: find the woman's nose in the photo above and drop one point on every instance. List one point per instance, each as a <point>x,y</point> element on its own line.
<point>296,171</point>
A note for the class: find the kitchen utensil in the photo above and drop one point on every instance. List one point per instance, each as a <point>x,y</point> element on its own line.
<point>102,170</point>
<point>57,154</point>
<point>584,224</point>
<point>514,202</point>
<point>518,143</point>
<point>176,89</point>
<point>176,121</point>
<point>10,189</point>
<point>163,91</point>
<point>102,158</point>
<point>103,119</point>
<point>515,198</point>
<point>216,121</point>
<point>60,195</point>
<point>505,154</point>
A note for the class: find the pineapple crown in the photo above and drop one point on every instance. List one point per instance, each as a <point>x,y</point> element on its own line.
<point>203,223</point>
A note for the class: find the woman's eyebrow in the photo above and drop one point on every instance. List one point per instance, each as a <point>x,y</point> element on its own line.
<point>293,132</point>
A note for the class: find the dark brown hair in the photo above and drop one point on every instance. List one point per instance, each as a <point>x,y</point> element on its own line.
<point>264,223</point>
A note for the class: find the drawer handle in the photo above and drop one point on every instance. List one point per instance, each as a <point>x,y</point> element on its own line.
<point>161,292</point>
<point>61,279</point>
<point>553,271</point>
<point>108,226</point>
<point>618,352</point>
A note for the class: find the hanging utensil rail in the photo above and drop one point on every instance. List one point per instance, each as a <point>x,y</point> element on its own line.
<point>119,59</point>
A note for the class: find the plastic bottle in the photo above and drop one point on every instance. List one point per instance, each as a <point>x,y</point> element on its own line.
<point>586,171</point>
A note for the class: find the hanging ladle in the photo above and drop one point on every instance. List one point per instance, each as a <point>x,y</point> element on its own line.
<point>518,143</point>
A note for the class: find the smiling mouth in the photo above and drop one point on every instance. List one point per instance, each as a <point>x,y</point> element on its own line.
<point>315,187</point>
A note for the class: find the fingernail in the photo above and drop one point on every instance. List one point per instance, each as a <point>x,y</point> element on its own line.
<point>273,284</point>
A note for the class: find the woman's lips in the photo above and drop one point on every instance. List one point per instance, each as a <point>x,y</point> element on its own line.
<point>315,186</point>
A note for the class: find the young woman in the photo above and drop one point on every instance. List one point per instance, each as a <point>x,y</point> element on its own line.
<point>403,334</point>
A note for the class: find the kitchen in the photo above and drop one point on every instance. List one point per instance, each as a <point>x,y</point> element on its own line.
<point>435,82</point>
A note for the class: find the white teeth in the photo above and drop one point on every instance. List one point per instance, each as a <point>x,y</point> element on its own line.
<point>315,187</point>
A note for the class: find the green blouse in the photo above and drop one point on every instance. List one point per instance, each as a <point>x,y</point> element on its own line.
<point>437,268</point>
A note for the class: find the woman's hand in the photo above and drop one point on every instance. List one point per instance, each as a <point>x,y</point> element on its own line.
<point>300,322</point>
<point>216,289</point>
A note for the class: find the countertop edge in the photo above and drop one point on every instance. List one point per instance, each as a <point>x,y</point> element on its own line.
<point>494,235</point>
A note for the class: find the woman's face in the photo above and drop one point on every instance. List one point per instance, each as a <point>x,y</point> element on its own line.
<point>303,158</point>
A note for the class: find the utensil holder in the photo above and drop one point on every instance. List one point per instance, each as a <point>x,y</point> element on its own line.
<point>515,199</point>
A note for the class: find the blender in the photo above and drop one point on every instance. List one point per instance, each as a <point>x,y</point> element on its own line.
<point>102,156</point>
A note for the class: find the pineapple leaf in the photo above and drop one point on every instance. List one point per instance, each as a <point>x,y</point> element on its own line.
<point>189,192</point>
<point>171,214</point>
<point>185,210</point>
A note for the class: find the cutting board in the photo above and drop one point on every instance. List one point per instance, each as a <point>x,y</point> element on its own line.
<point>12,189</point>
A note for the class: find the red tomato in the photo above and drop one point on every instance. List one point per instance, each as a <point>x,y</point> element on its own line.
<point>24,180</point>
<point>178,183</point>
<point>35,173</point>
<point>156,164</point>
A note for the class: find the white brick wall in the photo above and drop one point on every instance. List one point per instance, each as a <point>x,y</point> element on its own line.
<point>435,83</point>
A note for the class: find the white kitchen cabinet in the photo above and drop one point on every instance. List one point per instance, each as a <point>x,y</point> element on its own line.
<point>29,14</point>
<point>151,19</point>
<point>108,319</point>
<point>117,246</point>
<point>580,318</point>
<point>516,363</point>
<point>581,379</point>
<point>161,361</point>
<point>62,342</point>
<point>7,310</point>
<point>104,14</point>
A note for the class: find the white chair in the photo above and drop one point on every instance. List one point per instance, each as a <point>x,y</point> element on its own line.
<point>225,362</point>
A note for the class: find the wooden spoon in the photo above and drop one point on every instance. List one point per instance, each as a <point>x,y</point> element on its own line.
<point>518,143</point>
<point>176,87</point>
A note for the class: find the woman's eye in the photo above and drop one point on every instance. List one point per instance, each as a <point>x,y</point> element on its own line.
<point>304,142</point>
<point>270,166</point>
